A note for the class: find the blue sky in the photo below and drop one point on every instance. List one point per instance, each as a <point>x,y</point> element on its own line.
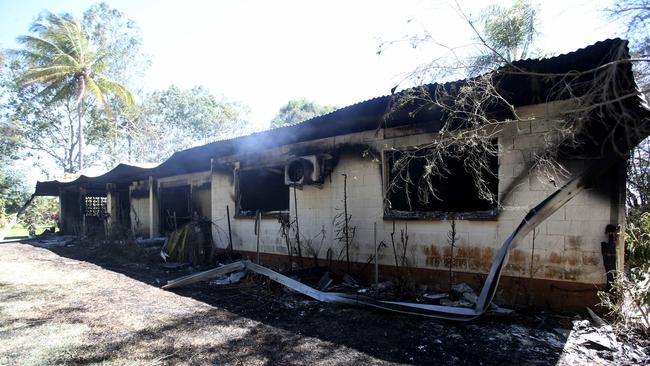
<point>264,53</point>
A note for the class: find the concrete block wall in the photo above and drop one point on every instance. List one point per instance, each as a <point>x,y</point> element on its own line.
<point>319,206</point>
<point>243,228</point>
<point>112,206</point>
<point>140,217</point>
<point>566,246</point>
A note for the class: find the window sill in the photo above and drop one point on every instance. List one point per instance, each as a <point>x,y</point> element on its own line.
<point>488,215</point>
<point>265,214</point>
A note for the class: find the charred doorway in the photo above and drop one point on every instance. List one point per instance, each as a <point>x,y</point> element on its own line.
<point>175,207</point>
<point>70,212</point>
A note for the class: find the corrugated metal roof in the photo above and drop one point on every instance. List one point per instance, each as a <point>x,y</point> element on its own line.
<point>519,89</point>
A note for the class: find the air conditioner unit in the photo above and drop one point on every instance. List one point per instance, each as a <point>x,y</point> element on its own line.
<point>303,170</point>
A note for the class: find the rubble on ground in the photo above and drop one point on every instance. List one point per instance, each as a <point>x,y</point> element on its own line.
<point>230,279</point>
<point>174,266</point>
<point>544,337</point>
<point>51,240</point>
<point>153,242</point>
<point>325,282</point>
<point>594,344</point>
<point>435,296</point>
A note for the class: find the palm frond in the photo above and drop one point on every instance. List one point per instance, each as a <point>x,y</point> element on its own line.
<point>44,79</point>
<point>64,93</point>
<point>97,92</point>
<point>77,40</point>
<point>52,88</point>
<point>43,74</point>
<point>61,57</point>
<point>115,88</point>
<point>45,48</point>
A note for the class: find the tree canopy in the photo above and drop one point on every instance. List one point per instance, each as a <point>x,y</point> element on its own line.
<point>110,30</point>
<point>635,17</point>
<point>67,86</point>
<point>67,68</point>
<point>507,34</point>
<point>13,192</point>
<point>175,119</point>
<point>298,110</point>
<point>38,127</point>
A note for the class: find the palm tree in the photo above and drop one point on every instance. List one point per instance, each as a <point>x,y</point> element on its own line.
<point>60,57</point>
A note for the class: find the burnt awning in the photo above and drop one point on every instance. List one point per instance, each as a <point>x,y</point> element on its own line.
<point>122,173</point>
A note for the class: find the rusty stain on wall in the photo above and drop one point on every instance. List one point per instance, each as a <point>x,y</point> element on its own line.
<point>517,262</point>
<point>432,256</point>
<point>561,266</point>
<point>573,242</point>
<point>590,260</point>
<point>465,257</point>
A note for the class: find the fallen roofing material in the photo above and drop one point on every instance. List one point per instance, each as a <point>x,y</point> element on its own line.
<point>205,275</point>
<point>534,217</point>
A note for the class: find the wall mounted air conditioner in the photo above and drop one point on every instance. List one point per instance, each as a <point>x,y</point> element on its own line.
<point>304,170</point>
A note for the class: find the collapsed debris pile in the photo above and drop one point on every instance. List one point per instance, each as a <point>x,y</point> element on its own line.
<point>190,243</point>
<point>51,240</point>
<point>578,341</point>
<point>412,308</point>
<point>593,343</point>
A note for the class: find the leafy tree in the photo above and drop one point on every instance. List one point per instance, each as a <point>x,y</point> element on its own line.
<point>638,181</point>
<point>10,141</point>
<point>42,213</point>
<point>10,135</point>
<point>13,192</point>
<point>67,67</point>
<point>12,188</point>
<point>175,119</point>
<point>39,127</point>
<point>635,16</point>
<point>507,33</point>
<point>298,110</point>
<point>110,30</point>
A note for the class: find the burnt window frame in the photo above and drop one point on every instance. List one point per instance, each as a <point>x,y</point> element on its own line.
<point>392,214</point>
<point>247,213</point>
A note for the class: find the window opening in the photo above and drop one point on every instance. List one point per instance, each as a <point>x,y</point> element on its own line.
<point>262,189</point>
<point>455,192</point>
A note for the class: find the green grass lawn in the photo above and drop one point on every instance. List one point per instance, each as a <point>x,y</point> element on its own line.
<point>21,230</point>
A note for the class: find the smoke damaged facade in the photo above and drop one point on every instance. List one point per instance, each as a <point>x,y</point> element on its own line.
<point>327,190</point>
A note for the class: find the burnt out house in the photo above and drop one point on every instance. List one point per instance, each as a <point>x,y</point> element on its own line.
<point>256,186</point>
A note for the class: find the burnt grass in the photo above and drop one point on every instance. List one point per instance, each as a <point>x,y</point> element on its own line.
<point>518,338</point>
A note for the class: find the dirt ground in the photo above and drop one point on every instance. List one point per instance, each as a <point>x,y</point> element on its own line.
<point>65,305</point>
